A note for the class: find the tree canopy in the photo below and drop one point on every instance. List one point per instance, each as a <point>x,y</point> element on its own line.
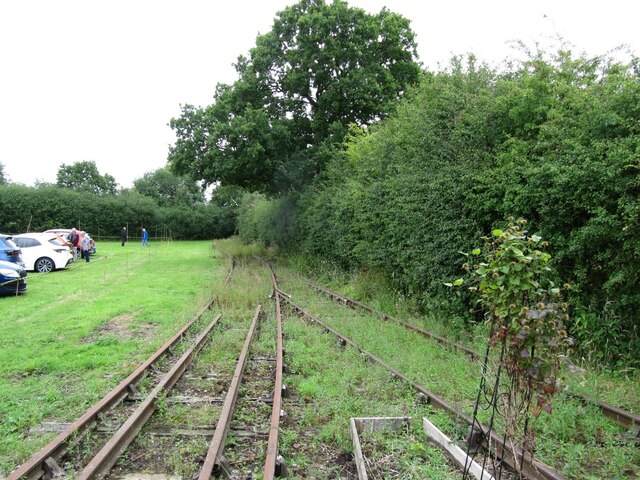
<point>169,189</point>
<point>85,176</point>
<point>322,67</point>
<point>3,178</point>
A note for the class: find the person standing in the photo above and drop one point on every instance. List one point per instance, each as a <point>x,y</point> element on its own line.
<point>145,237</point>
<point>123,235</point>
<point>86,246</point>
<point>74,238</point>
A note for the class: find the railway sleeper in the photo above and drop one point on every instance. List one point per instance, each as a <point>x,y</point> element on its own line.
<point>52,468</point>
<point>281,467</point>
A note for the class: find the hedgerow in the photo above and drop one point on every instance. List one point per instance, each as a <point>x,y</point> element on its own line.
<point>554,140</point>
<point>36,209</point>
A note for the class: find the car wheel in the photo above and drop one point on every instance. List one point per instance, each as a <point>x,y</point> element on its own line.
<point>44,265</point>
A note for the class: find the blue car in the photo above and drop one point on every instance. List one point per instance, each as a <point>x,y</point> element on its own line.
<point>13,278</point>
<point>9,251</point>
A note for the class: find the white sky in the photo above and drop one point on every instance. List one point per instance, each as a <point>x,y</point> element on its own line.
<point>100,80</point>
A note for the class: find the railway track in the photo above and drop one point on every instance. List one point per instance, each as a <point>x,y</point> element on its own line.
<point>233,410</point>
<point>215,459</point>
<point>46,461</point>
<point>232,265</point>
<point>626,419</point>
<point>511,454</point>
<point>250,411</point>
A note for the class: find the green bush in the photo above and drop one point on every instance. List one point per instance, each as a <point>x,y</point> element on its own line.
<point>271,221</point>
<point>36,209</point>
<point>555,140</point>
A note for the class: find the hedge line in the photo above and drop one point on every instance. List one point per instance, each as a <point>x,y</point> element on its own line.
<point>555,141</point>
<point>39,208</point>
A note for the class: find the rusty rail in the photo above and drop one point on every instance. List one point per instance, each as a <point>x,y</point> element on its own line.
<point>222,428</point>
<point>230,272</point>
<point>44,460</point>
<point>274,464</point>
<point>274,431</point>
<point>350,302</point>
<point>100,465</point>
<point>532,468</point>
<point>620,416</point>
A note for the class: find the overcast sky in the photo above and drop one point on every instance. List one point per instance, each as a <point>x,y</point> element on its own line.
<point>100,80</point>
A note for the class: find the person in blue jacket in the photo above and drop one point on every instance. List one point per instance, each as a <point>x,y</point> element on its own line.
<point>145,237</point>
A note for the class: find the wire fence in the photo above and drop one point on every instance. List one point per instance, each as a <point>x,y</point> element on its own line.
<point>151,250</point>
<point>134,233</point>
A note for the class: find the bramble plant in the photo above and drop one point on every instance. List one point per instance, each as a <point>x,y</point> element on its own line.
<point>523,305</point>
<point>510,277</point>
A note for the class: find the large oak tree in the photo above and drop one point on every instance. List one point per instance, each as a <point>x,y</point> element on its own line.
<point>322,67</point>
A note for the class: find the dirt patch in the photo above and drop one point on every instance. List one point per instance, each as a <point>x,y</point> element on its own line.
<point>122,327</point>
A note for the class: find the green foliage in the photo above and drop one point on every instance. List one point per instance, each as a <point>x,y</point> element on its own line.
<point>554,140</point>
<point>322,67</point>
<point>84,176</point>
<point>169,189</point>
<point>40,208</point>
<point>272,221</point>
<point>510,281</point>
<point>396,201</point>
<point>3,178</point>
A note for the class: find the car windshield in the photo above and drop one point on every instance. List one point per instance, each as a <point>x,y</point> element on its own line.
<point>56,242</point>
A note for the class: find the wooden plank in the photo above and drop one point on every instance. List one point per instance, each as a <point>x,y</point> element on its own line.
<point>377,424</point>
<point>456,453</point>
<point>357,452</point>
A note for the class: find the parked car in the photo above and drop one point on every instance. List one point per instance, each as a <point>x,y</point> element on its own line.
<point>43,252</point>
<point>9,251</point>
<point>13,278</point>
<point>64,233</point>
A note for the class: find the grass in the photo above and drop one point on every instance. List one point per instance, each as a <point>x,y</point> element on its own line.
<point>595,381</point>
<point>403,454</point>
<point>77,332</point>
<point>331,395</point>
<point>576,439</point>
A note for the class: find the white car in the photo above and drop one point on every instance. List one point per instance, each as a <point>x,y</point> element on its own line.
<point>43,252</point>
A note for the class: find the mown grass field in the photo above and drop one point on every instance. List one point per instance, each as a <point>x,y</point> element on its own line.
<point>78,332</point>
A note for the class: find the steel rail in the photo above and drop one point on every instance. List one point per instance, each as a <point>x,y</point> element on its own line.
<point>100,465</point>
<point>271,456</point>
<point>230,272</point>
<point>620,416</point>
<point>350,302</point>
<point>274,431</point>
<point>532,468</point>
<point>36,466</point>
<point>224,421</point>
